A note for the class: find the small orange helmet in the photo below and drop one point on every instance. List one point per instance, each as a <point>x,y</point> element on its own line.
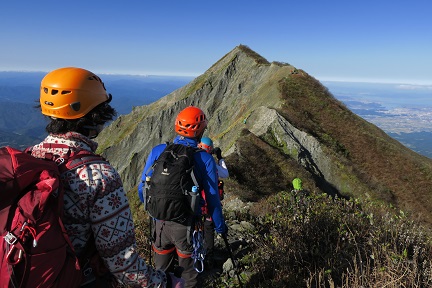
<point>70,93</point>
<point>190,122</point>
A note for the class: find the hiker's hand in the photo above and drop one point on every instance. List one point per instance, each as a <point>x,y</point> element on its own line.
<point>218,153</point>
<point>225,232</point>
<point>176,282</point>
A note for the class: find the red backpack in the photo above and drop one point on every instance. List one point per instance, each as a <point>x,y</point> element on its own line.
<point>35,250</point>
<point>204,208</point>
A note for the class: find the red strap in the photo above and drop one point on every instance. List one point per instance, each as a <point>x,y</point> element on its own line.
<point>54,145</point>
<point>163,252</point>
<point>182,255</point>
<point>72,159</point>
<point>79,159</point>
<point>66,237</point>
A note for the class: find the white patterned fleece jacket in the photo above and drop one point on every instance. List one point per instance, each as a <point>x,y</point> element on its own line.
<point>95,203</point>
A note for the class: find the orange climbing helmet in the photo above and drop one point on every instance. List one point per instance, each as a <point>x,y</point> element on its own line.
<point>70,93</point>
<point>190,122</point>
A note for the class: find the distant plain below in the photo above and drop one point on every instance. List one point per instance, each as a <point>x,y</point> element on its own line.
<point>403,111</point>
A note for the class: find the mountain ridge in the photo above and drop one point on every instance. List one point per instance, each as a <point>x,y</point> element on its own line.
<point>339,152</point>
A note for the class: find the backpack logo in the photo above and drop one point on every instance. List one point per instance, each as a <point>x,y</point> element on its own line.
<point>165,172</point>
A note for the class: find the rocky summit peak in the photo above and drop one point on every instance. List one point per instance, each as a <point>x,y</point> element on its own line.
<point>274,122</point>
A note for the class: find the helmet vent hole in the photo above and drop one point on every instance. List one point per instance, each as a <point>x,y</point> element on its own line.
<point>45,90</point>
<point>54,92</point>
<point>75,106</point>
<point>94,77</point>
<point>64,92</point>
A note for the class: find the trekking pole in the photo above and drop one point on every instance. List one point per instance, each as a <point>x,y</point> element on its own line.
<point>150,235</point>
<point>225,238</point>
<point>150,240</point>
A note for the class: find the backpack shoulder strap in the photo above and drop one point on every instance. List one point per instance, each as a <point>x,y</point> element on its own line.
<point>80,158</point>
<point>195,150</point>
<point>167,143</point>
<point>72,159</point>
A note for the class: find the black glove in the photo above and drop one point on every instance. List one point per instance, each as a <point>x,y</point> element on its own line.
<point>218,153</point>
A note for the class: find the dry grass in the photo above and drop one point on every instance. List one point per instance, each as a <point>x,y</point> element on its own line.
<point>318,241</point>
<point>393,172</point>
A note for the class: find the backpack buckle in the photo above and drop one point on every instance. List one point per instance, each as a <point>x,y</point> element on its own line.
<point>10,238</point>
<point>59,161</point>
<point>87,271</point>
<point>10,254</point>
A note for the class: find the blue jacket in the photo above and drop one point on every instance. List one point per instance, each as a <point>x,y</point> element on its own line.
<point>205,171</point>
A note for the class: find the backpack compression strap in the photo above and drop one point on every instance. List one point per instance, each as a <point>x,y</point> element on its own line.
<point>72,159</point>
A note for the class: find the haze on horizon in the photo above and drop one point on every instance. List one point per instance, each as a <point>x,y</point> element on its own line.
<point>369,41</point>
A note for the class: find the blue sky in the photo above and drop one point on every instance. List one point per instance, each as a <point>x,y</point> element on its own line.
<point>373,41</point>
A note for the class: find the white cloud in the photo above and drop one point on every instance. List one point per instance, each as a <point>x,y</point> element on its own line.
<point>414,87</point>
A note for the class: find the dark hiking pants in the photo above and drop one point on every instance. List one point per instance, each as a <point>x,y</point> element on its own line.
<point>171,245</point>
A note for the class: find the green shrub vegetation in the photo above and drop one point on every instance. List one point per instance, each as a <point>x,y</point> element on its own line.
<point>320,241</point>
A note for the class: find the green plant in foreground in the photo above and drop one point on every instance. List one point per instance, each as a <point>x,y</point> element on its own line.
<point>319,241</point>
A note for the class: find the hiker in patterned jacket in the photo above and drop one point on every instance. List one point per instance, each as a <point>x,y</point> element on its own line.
<point>171,237</point>
<point>97,211</point>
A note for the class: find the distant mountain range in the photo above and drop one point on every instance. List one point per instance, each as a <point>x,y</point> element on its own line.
<point>22,124</point>
<point>402,111</point>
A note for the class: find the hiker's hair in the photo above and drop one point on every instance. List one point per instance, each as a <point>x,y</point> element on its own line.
<point>99,115</point>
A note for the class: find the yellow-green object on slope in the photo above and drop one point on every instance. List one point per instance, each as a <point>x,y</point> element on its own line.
<point>297,184</point>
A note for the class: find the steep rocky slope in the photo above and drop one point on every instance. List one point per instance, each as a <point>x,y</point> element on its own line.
<point>275,122</point>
